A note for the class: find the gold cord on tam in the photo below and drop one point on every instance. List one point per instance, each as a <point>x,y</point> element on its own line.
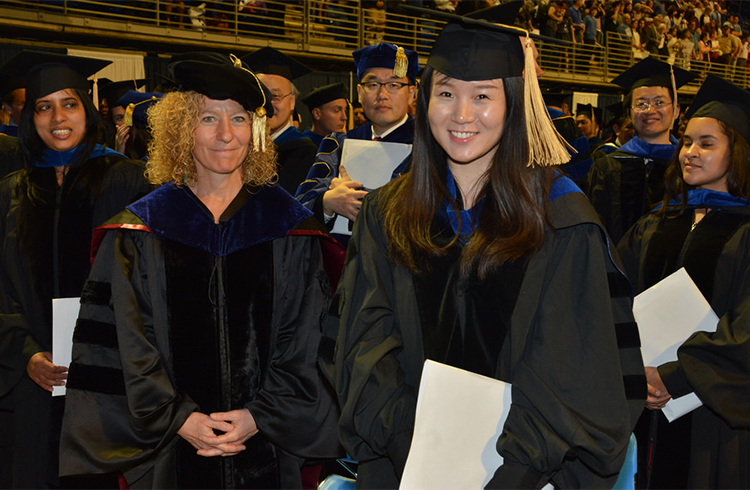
<point>401,64</point>
<point>259,114</point>
<point>546,145</point>
<point>128,119</point>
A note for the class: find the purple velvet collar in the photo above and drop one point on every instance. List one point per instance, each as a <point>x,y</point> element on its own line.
<point>256,216</point>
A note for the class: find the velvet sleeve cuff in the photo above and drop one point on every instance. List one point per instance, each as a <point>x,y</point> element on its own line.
<point>674,379</point>
<point>515,476</point>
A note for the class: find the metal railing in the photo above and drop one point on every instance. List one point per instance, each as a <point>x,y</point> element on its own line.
<point>329,28</point>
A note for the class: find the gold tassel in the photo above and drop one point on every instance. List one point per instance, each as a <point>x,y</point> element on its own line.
<point>401,64</point>
<point>546,145</point>
<point>95,92</point>
<point>259,129</point>
<point>675,105</point>
<point>130,109</point>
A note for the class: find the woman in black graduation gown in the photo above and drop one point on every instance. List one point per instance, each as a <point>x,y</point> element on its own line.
<point>703,225</point>
<point>48,212</point>
<point>486,258</point>
<point>194,361</point>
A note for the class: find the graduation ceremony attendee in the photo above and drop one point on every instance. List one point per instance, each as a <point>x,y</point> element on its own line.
<point>69,185</point>
<point>10,155</point>
<point>588,120</point>
<point>296,153</point>
<point>580,153</point>
<point>629,182</point>
<point>468,259</point>
<point>387,76</point>
<point>109,94</point>
<point>702,225</point>
<point>133,135</point>
<point>194,355</point>
<point>329,107</point>
<point>619,127</point>
<point>13,96</point>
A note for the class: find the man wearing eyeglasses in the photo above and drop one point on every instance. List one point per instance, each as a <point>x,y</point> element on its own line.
<point>387,77</point>
<point>296,152</point>
<point>629,182</point>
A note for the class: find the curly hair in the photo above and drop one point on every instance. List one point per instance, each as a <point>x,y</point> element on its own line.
<point>172,121</point>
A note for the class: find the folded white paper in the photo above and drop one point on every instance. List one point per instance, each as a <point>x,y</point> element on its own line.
<point>64,316</point>
<point>372,163</point>
<point>667,314</point>
<point>460,416</point>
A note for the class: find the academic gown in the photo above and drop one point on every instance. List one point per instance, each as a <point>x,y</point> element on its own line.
<point>54,263</point>
<point>628,183</point>
<point>571,352</point>
<point>180,315</point>
<point>328,159</point>
<point>10,155</point>
<point>296,154</point>
<point>710,447</point>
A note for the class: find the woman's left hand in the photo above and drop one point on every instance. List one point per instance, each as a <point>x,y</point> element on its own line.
<point>231,442</point>
<point>658,396</point>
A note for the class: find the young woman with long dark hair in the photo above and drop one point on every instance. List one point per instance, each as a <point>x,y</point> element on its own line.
<point>486,258</point>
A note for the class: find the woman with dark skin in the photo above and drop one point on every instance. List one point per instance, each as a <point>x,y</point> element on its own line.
<point>48,211</point>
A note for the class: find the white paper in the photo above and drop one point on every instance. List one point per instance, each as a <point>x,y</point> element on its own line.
<point>64,316</point>
<point>667,314</point>
<point>460,416</point>
<point>372,163</point>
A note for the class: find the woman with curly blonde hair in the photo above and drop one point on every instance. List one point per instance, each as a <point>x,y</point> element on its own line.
<point>194,354</point>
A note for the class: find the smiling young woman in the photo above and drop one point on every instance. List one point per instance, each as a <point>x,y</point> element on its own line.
<point>702,225</point>
<point>437,264</point>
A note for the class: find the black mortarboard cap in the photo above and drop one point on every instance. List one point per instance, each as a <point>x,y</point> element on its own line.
<point>481,48</point>
<point>12,77</point>
<point>115,90</point>
<point>165,84</point>
<point>221,77</point>
<point>270,61</point>
<point>47,73</point>
<point>325,94</point>
<point>615,110</point>
<point>652,73</point>
<point>724,101</point>
<point>555,96</point>
<point>588,110</point>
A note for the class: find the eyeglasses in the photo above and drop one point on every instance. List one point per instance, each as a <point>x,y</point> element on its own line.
<point>390,87</point>
<point>279,98</point>
<point>644,105</point>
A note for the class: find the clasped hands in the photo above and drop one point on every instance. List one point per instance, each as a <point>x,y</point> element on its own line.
<point>237,426</point>
<point>343,196</point>
<point>658,396</point>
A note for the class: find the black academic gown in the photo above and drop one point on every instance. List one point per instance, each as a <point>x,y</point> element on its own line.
<point>10,155</point>
<point>628,183</point>
<point>296,154</point>
<point>710,447</point>
<point>571,353</point>
<point>180,315</point>
<point>45,254</point>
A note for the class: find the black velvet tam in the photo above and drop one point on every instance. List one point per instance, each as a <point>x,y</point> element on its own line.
<point>221,77</point>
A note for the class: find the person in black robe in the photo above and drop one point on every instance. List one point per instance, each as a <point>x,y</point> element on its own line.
<point>486,258</point>
<point>629,182</point>
<point>194,357</point>
<point>295,151</point>
<point>10,155</point>
<point>48,210</point>
<point>703,225</point>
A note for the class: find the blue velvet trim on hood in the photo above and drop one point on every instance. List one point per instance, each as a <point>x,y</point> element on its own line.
<point>172,212</point>
<point>637,146</point>
<point>54,158</point>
